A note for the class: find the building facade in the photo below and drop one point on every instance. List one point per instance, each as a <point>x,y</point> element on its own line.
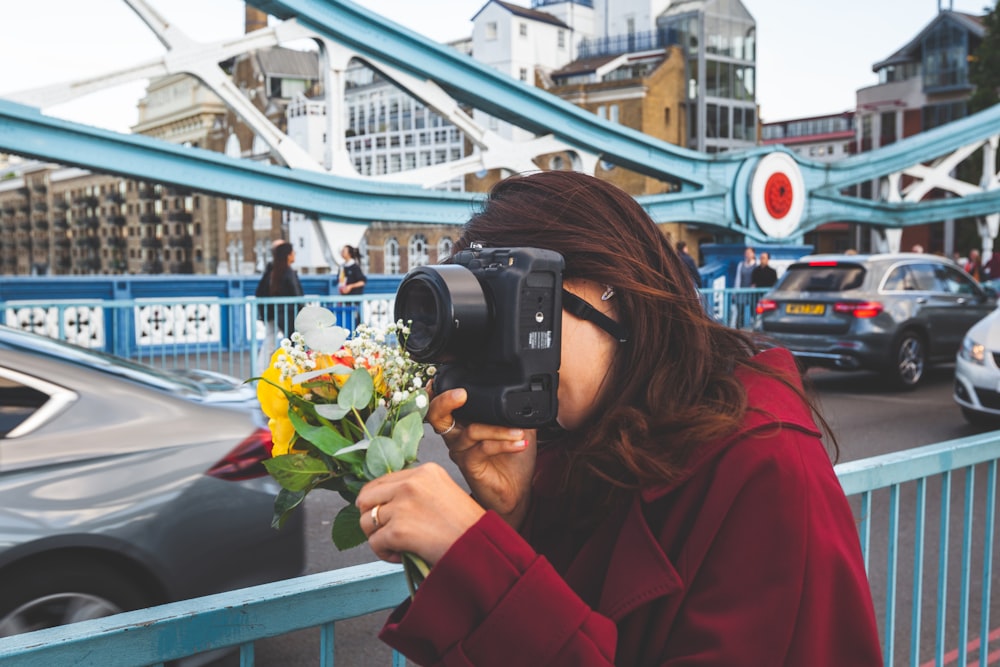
<point>922,85</point>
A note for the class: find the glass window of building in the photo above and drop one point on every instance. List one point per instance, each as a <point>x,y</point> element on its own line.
<point>391,252</point>
<point>522,29</point>
<point>417,254</point>
<point>444,248</point>
<point>945,51</point>
<point>491,30</point>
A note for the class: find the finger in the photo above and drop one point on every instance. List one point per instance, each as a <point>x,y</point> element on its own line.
<point>439,413</point>
<point>487,449</point>
<point>472,434</point>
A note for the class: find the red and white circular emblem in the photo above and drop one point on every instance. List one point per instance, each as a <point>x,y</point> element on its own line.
<point>777,195</point>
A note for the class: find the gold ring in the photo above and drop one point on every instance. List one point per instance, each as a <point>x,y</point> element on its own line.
<point>449,429</point>
<point>375,516</point>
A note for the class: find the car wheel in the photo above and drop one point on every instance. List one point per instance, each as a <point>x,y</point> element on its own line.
<point>63,592</point>
<point>908,361</point>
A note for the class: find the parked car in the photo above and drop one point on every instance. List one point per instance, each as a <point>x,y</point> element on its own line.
<point>892,313</point>
<point>123,487</point>
<point>977,373</point>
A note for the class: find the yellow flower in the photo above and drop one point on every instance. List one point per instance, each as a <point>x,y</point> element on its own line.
<point>282,433</point>
<point>274,404</point>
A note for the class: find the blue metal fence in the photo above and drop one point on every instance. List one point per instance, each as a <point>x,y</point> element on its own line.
<point>876,486</point>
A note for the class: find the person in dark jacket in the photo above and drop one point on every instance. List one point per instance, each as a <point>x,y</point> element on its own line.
<point>764,274</point>
<point>683,510</point>
<point>279,279</point>
<point>352,278</point>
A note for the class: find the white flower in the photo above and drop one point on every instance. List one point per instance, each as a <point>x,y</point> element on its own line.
<point>319,329</point>
<point>421,401</point>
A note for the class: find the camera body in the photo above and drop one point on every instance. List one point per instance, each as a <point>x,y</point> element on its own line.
<point>491,319</point>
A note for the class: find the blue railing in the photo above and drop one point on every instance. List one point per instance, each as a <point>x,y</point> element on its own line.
<point>222,334</point>
<point>875,486</point>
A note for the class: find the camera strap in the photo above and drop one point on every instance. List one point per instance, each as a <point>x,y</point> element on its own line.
<point>580,308</point>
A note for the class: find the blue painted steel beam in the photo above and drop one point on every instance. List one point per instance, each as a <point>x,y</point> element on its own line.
<point>26,131</point>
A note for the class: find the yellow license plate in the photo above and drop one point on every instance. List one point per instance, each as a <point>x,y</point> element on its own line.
<point>805,308</point>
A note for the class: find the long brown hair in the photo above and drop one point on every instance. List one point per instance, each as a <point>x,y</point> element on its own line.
<point>672,385</point>
<point>280,265</point>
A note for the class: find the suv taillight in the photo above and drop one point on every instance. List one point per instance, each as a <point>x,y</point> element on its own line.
<point>765,305</point>
<point>858,309</point>
<point>245,460</point>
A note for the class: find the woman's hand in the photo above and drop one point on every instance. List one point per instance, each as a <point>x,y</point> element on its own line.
<point>497,462</point>
<point>420,511</point>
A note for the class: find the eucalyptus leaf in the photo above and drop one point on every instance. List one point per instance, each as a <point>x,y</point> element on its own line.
<point>376,420</point>
<point>408,432</point>
<point>359,446</point>
<point>324,438</point>
<point>332,411</point>
<point>296,472</point>
<point>357,391</point>
<point>284,503</point>
<point>346,532</point>
<point>384,456</point>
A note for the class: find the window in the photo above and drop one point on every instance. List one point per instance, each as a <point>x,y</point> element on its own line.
<point>522,74</point>
<point>391,250</point>
<point>613,113</point>
<point>444,248</point>
<point>522,29</point>
<point>491,31</point>
<point>561,39</point>
<point>416,254</point>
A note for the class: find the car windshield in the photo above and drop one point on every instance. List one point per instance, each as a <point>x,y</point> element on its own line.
<point>108,363</point>
<point>821,278</point>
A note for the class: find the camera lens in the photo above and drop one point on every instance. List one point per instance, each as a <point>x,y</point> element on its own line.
<point>446,309</point>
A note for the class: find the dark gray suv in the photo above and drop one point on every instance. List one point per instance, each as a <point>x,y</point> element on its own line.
<point>892,313</point>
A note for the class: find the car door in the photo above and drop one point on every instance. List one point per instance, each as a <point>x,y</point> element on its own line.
<point>957,303</point>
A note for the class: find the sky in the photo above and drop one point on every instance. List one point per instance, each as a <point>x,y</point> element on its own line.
<point>812,54</point>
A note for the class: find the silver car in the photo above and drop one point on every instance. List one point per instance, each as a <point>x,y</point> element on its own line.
<point>892,313</point>
<point>977,373</point>
<point>123,487</point>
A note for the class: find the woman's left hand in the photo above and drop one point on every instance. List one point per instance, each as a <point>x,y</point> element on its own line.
<point>420,511</point>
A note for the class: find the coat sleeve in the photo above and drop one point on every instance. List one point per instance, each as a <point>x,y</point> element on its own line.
<point>776,576</point>
<point>492,601</point>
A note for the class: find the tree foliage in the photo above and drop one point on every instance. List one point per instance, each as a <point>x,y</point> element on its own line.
<point>984,65</point>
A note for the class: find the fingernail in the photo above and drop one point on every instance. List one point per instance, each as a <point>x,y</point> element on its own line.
<point>520,444</point>
<point>516,434</point>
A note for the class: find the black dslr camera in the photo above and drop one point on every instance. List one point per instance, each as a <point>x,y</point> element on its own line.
<point>491,319</point>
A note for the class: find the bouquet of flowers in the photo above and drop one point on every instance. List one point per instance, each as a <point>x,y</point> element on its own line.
<point>342,412</point>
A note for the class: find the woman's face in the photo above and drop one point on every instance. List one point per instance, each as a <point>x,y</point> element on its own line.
<point>587,354</point>
<point>345,253</point>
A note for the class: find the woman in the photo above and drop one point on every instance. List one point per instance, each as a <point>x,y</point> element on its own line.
<point>279,279</point>
<point>684,512</point>
<point>352,278</point>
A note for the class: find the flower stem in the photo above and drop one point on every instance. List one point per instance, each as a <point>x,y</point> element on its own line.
<point>416,570</point>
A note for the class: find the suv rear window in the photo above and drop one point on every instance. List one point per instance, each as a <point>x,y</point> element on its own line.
<point>825,278</point>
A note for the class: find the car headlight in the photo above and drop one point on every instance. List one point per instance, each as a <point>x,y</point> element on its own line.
<point>973,351</point>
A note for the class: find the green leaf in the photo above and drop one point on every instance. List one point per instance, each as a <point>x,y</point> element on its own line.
<point>325,438</point>
<point>357,391</point>
<point>346,532</point>
<point>384,456</point>
<point>296,472</point>
<point>376,420</point>
<point>332,411</point>
<point>408,432</point>
<point>284,503</point>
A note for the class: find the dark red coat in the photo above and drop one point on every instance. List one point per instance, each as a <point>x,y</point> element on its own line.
<point>751,559</point>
